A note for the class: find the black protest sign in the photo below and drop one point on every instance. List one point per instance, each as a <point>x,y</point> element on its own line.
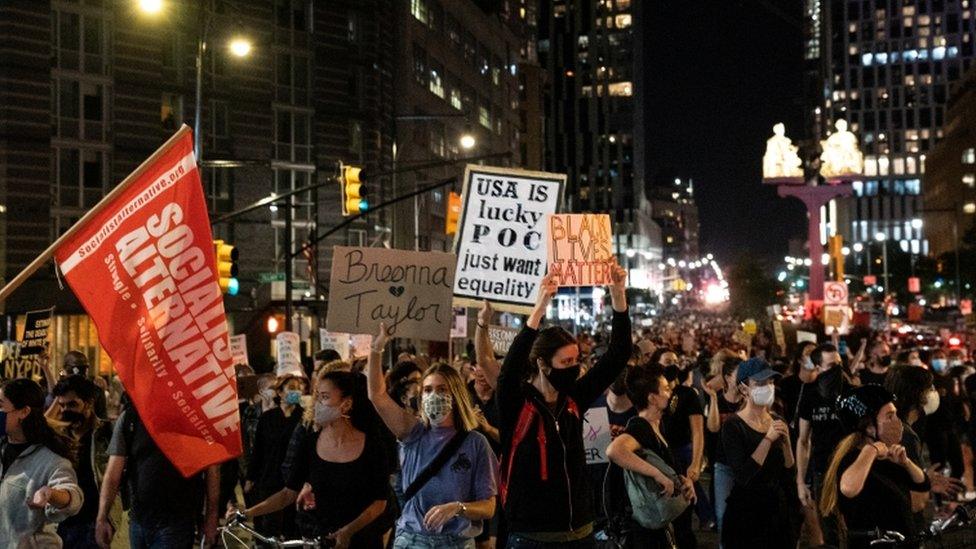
<point>500,242</point>
<point>36,327</point>
<point>409,291</point>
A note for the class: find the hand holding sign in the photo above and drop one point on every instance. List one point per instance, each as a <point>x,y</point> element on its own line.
<point>379,341</point>
<point>485,314</point>
<point>547,289</point>
<point>618,287</point>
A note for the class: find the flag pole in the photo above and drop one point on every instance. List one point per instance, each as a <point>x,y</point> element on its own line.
<point>112,195</point>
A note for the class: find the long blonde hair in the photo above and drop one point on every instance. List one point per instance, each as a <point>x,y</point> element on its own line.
<point>830,493</point>
<point>463,411</point>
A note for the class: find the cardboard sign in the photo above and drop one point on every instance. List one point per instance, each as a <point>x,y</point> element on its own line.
<point>837,319</point>
<point>500,239</point>
<point>802,336</point>
<point>360,344</point>
<point>581,249</point>
<point>238,349</point>
<point>749,326</point>
<point>409,291</point>
<point>289,354</point>
<point>460,326</point>
<point>335,341</point>
<point>965,306</point>
<point>835,293</point>
<point>779,335</point>
<point>501,338</point>
<point>17,364</point>
<point>596,435</point>
<point>35,332</point>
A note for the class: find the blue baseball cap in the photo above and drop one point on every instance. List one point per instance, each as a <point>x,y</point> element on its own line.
<point>756,369</point>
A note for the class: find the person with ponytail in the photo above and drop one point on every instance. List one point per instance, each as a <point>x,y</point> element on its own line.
<point>342,461</point>
<point>541,401</point>
<point>38,486</point>
<point>448,470</point>
<point>870,478</point>
<point>761,510</point>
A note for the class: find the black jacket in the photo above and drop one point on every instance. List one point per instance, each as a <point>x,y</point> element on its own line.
<point>562,502</point>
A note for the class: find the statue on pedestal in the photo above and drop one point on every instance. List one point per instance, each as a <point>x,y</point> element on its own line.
<point>841,157</point>
<point>781,161</point>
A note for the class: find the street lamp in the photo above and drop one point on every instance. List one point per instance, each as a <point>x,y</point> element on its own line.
<point>883,239</point>
<point>239,46</point>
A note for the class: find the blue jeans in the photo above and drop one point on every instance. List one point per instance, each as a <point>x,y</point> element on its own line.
<point>723,481</point>
<point>516,541</point>
<point>413,540</point>
<point>178,534</point>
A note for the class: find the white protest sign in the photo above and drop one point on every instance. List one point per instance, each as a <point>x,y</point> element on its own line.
<point>596,435</point>
<point>802,336</point>
<point>360,344</point>
<point>580,249</point>
<point>460,326</point>
<point>338,342</point>
<point>238,349</point>
<point>501,338</point>
<point>500,242</point>
<point>289,354</point>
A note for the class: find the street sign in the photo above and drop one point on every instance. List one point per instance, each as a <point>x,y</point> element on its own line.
<point>265,278</point>
<point>835,293</point>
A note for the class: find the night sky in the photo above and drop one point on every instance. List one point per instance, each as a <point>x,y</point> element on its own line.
<point>725,72</point>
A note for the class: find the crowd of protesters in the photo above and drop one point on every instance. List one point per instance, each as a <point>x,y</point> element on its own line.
<point>713,437</point>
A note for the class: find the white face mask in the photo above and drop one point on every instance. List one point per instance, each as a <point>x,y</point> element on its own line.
<point>267,394</point>
<point>931,402</point>
<point>437,407</point>
<point>764,395</point>
<point>325,413</point>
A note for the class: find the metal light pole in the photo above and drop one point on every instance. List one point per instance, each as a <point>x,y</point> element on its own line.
<point>883,239</point>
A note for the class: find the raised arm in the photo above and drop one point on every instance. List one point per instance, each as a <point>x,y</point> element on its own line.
<point>398,420</point>
<point>484,351</point>
<point>601,375</point>
<point>622,452</point>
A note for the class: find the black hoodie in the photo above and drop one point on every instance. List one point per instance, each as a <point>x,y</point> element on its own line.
<point>563,500</point>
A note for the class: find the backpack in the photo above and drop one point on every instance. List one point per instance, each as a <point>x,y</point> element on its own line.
<point>651,509</point>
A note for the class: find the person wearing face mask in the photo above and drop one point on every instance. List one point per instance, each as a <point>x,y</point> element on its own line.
<point>403,384</point>
<point>942,406</point>
<point>448,468</point>
<point>820,428</point>
<point>274,430</point>
<point>757,448</point>
<point>725,399</point>
<point>542,398</point>
<point>870,478</point>
<point>647,386</point>
<point>340,467</point>
<point>38,486</point>
<point>74,398</point>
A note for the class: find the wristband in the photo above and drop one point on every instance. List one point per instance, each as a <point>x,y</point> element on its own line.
<point>462,509</point>
<point>482,326</point>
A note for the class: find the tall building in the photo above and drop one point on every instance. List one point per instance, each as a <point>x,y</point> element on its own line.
<point>462,69</point>
<point>950,174</point>
<point>593,55</point>
<point>674,210</point>
<point>886,68</point>
<point>89,89</point>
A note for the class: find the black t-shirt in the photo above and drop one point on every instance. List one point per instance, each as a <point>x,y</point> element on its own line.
<point>676,424</point>
<point>490,410</point>
<point>157,491</point>
<point>86,481</point>
<point>726,410</point>
<point>868,377</point>
<point>644,434</point>
<point>342,490</point>
<point>618,420</point>
<point>884,502</point>
<point>788,389</point>
<point>270,445</point>
<point>826,430</point>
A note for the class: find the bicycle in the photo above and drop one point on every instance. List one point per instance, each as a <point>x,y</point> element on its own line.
<point>238,522</point>
<point>956,531</point>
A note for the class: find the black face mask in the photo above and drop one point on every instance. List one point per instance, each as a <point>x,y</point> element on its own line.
<point>563,379</point>
<point>71,416</point>
<point>414,403</point>
<point>830,383</point>
<point>619,387</point>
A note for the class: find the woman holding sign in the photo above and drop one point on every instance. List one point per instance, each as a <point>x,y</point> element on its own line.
<point>448,468</point>
<point>541,399</point>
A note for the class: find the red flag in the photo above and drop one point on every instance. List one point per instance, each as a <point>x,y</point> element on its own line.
<point>144,269</point>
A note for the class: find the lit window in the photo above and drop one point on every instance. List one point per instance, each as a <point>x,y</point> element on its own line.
<point>456,98</point>
<point>899,166</point>
<point>870,166</point>
<point>969,207</point>
<point>866,59</point>
<point>483,117</point>
<point>622,89</point>
<point>623,21</point>
<point>969,156</point>
<point>418,8</point>
<point>969,179</point>
<point>436,84</point>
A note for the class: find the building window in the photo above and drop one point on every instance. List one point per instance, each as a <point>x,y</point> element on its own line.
<point>171,111</point>
<point>292,78</point>
<point>621,89</point>
<point>622,21</point>
<point>217,188</point>
<point>356,139</point>
<point>290,14</point>
<point>969,207</point>
<point>969,156</point>
<point>436,84</point>
<point>455,95</point>
<point>969,180</point>
<point>484,116</point>
<point>418,8</point>
<point>221,125</point>
<point>292,135</point>
<point>420,65</point>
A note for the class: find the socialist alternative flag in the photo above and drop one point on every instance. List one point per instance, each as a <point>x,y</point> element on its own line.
<point>144,269</point>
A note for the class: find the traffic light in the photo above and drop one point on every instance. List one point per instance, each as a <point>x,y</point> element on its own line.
<point>836,246</point>
<point>453,213</point>
<point>226,267</point>
<point>351,182</point>
<point>275,323</point>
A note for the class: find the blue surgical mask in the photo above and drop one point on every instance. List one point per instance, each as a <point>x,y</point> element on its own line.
<point>293,397</point>
<point>939,364</point>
